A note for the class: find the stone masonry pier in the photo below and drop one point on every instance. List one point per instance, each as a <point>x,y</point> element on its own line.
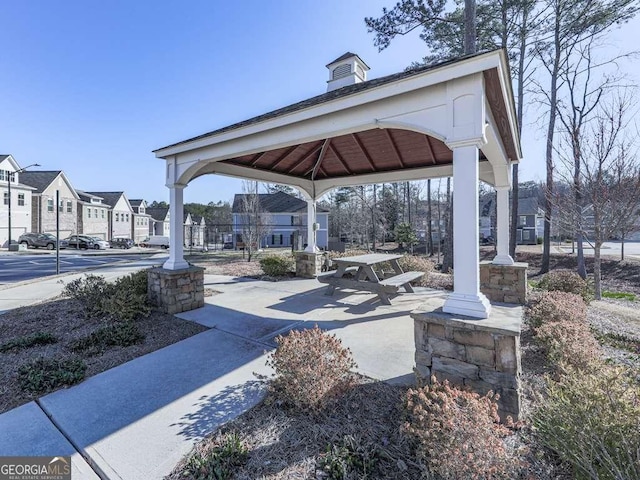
<point>176,291</point>
<point>482,355</point>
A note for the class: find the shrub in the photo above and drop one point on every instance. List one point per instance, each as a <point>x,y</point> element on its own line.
<point>89,291</point>
<point>43,375</point>
<point>568,344</point>
<point>566,281</point>
<point>410,263</point>
<point>27,341</point>
<point>135,282</point>
<point>125,300</point>
<point>276,265</point>
<point>119,334</point>
<point>125,305</point>
<point>550,307</point>
<point>458,432</point>
<point>350,458</point>
<point>592,421</point>
<point>311,367</point>
<point>217,460</point>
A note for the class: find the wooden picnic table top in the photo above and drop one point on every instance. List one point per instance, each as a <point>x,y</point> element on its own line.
<point>368,259</point>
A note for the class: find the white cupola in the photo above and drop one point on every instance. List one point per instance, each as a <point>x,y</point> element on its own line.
<point>347,69</point>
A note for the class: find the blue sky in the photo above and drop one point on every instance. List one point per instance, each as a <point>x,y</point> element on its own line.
<point>92,88</point>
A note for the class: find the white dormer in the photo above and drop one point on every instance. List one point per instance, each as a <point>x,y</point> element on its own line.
<point>347,69</point>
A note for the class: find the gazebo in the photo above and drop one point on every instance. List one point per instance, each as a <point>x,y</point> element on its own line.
<point>454,118</point>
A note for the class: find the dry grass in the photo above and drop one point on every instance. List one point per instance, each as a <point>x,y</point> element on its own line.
<point>65,320</point>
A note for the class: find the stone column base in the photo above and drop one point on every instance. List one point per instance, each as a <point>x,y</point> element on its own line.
<point>308,264</point>
<point>175,291</point>
<point>504,283</point>
<point>482,355</point>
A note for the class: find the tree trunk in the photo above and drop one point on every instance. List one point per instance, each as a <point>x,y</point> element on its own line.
<point>553,101</point>
<point>469,26</point>
<point>597,281</point>
<point>447,254</point>
<point>429,228</point>
<point>622,247</point>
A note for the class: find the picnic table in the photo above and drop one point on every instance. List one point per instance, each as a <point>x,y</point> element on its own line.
<point>359,273</point>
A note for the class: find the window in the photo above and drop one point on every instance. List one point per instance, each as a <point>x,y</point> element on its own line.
<point>4,175</point>
<point>102,212</point>
<point>523,219</point>
<point>69,207</point>
<point>61,206</point>
<point>88,213</point>
<point>127,217</point>
<point>117,217</point>
<point>273,239</point>
<point>21,199</point>
<point>526,235</point>
<point>293,220</point>
<point>95,212</point>
<point>50,205</point>
<point>6,198</point>
<point>281,239</point>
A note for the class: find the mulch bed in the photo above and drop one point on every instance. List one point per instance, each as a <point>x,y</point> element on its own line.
<point>64,319</point>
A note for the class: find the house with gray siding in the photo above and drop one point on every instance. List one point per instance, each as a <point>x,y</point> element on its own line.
<point>530,221</point>
<point>43,197</point>
<point>158,220</point>
<point>287,220</point>
<point>121,214</point>
<point>93,215</point>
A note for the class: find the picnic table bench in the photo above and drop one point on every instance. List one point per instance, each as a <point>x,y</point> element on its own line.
<point>359,273</point>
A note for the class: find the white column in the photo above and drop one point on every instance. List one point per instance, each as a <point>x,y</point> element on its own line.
<point>502,227</point>
<point>466,298</point>
<point>176,229</point>
<point>311,220</point>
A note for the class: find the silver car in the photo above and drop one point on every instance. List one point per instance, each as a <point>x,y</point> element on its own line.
<point>100,244</point>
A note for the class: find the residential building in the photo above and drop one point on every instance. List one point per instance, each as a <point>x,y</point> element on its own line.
<point>194,231</point>
<point>20,201</point>
<point>43,208</point>
<point>93,215</point>
<point>121,214</point>
<point>141,219</point>
<point>158,221</point>
<point>530,221</point>
<point>285,217</point>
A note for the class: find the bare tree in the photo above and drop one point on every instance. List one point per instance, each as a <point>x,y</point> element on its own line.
<point>569,23</point>
<point>255,223</point>
<point>611,174</point>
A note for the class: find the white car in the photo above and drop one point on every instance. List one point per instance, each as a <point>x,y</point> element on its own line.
<point>100,244</point>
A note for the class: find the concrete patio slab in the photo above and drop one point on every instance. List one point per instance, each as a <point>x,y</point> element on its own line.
<point>26,431</point>
<point>138,420</point>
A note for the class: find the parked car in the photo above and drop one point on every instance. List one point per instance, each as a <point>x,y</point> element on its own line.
<point>155,241</point>
<point>227,246</point>
<point>100,244</point>
<point>45,240</point>
<point>80,241</point>
<point>125,243</point>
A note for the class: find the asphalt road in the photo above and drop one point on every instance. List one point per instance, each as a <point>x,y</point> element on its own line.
<point>21,267</point>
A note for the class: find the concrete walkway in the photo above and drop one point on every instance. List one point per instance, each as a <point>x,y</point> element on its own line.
<point>137,420</point>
